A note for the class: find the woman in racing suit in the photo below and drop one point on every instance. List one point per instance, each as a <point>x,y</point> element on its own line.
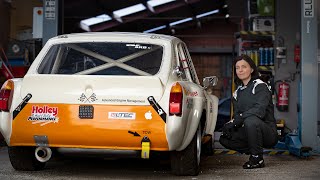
<point>253,126</point>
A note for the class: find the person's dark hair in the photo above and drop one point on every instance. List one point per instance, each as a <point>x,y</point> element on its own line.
<point>254,74</point>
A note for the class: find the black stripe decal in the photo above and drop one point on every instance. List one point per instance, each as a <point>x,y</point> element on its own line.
<point>21,105</point>
<point>158,108</point>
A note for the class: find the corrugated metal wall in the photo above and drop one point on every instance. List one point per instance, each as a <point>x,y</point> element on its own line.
<point>215,65</point>
<point>211,46</point>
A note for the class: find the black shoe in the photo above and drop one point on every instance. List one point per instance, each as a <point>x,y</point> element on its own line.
<point>254,162</point>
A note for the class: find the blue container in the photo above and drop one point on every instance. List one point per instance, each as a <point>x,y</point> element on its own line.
<point>16,62</point>
<point>266,56</point>
<point>261,57</point>
<point>271,56</point>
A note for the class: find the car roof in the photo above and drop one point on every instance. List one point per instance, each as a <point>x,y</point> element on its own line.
<point>115,35</point>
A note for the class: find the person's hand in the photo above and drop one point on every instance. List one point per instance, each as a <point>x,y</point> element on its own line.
<point>227,129</point>
<point>229,125</point>
<point>238,120</point>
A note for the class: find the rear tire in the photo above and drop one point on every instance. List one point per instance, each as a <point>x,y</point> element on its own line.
<point>187,161</point>
<point>23,159</point>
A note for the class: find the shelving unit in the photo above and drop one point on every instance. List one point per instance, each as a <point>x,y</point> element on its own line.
<point>259,45</point>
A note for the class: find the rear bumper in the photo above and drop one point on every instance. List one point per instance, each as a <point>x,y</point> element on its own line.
<point>99,152</point>
<point>64,128</point>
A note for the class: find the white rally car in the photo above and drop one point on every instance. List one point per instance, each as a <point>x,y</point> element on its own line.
<point>102,92</point>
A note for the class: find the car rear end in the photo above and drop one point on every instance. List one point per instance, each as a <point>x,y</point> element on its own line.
<point>88,95</point>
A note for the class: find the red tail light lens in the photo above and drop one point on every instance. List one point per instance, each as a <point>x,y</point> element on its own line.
<point>176,97</point>
<point>6,96</point>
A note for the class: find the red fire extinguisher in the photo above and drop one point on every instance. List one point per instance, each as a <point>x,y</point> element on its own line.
<point>283,96</point>
<point>297,53</point>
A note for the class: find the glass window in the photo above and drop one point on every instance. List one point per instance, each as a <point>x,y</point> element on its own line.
<point>103,59</point>
<point>182,65</point>
<point>190,65</point>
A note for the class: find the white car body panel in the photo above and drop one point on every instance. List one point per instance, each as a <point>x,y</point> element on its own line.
<point>111,90</point>
<point>119,90</point>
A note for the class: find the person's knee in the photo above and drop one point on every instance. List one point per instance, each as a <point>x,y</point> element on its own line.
<point>234,145</point>
<point>271,140</point>
<point>252,122</point>
<point>225,142</point>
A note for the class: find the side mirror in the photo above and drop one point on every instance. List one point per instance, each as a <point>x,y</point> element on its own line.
<point>177,70</point>
<point>210,81</point>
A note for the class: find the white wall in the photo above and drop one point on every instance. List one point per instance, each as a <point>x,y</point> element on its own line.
<point>288,22</point>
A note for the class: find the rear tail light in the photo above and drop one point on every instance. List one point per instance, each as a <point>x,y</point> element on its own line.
<point>176,96</point>
<point>6,93</point>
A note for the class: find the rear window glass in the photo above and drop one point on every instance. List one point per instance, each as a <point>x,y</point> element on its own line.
<point>102,59</point>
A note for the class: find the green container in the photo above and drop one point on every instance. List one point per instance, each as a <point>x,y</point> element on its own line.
<point>265,7</point>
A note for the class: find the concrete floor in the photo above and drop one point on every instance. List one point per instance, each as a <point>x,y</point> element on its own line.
<point>277,167</point>
<point>218,166</point>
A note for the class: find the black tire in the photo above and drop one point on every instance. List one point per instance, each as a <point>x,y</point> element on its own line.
<point>23,159</point>
<point>207,148</point>
<point>187,161</point>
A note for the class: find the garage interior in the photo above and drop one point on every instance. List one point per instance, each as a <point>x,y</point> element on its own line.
<point>281,35</point>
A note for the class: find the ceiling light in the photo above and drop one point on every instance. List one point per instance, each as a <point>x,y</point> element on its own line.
<point>208,13</point>
<point>155,29</point>
<point>180,21</point>
<point>86,24</point>
<point>119,14</point>
<point>153,4</point>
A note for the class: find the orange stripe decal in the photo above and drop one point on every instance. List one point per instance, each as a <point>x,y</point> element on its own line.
<point>112,127</point>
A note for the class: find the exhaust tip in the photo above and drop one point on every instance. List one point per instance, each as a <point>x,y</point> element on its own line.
<point>43,154</point>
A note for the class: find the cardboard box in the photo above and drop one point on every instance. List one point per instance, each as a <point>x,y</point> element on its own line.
<point>263,24</point>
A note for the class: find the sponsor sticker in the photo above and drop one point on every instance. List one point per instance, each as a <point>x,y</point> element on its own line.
<point>138,46</point>
<point>123,101</point>
<point>121,115</point>
<point>43,115</point>
<point>195,93</point>
<point>148,115</point>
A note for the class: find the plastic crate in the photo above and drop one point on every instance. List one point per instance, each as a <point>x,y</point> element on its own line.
<point>16,62</point>
<point>19,71</point>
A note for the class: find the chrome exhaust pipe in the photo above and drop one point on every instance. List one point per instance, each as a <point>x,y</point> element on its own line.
<point>43,154</point>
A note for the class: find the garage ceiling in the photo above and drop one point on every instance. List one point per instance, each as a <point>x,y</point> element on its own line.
<point>164,16</point>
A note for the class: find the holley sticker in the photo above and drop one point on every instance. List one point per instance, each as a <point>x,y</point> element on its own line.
<point>44,115</point>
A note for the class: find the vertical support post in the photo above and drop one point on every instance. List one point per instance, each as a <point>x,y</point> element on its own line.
<point>50,19</point>
<point>309,74</point>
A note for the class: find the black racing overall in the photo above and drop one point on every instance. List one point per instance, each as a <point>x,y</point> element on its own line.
<point>254,122</point>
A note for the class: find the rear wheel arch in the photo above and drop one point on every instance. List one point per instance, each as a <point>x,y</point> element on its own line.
<point>187,161</point>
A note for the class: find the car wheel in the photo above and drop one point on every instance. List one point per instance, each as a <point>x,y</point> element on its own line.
<point>23,159</point>
<point>187,161</point>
